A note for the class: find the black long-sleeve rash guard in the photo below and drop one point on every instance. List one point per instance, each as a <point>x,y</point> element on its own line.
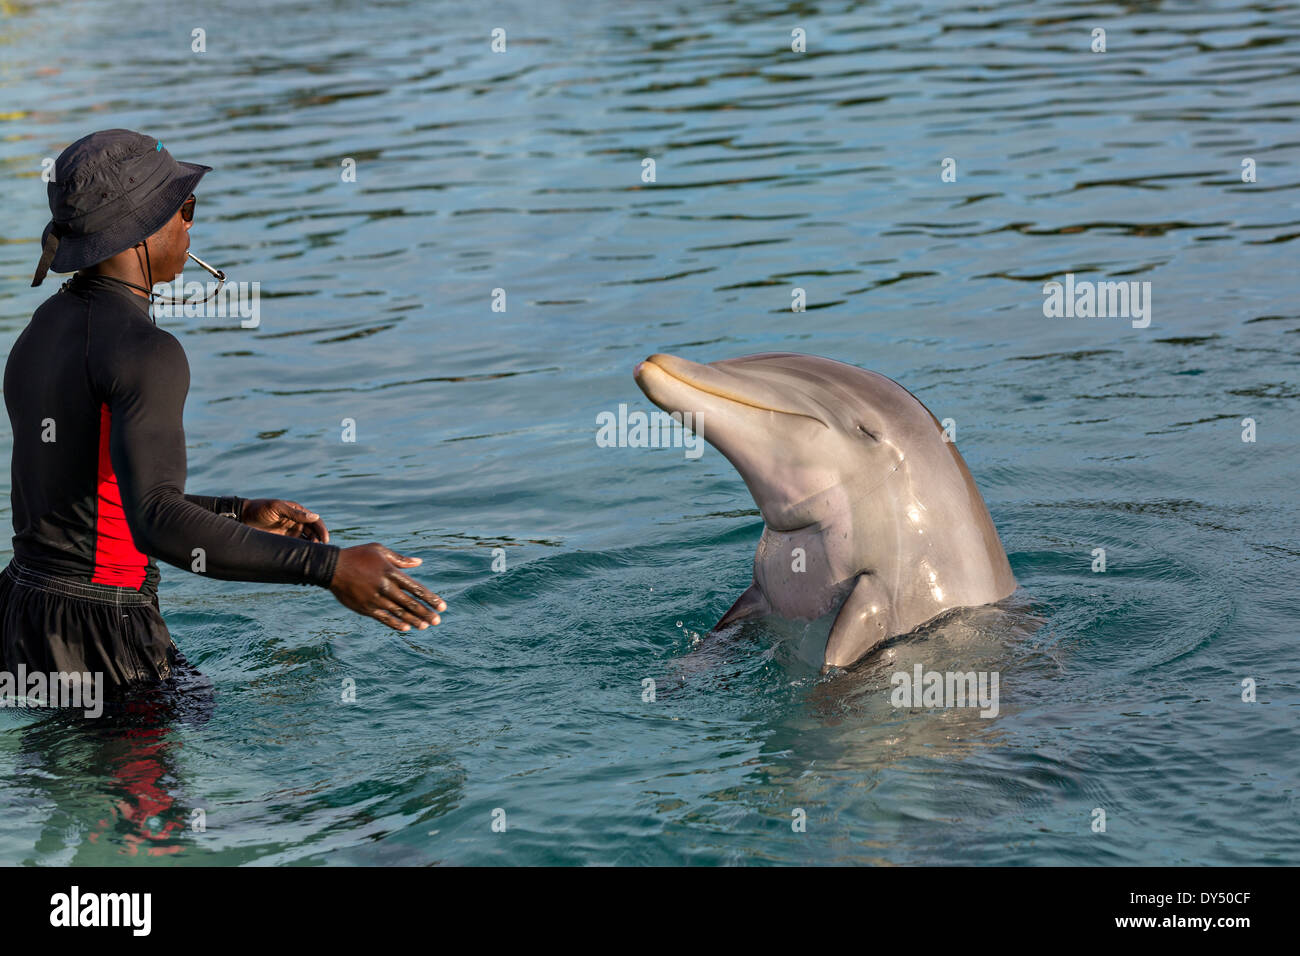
<point>95,393</point>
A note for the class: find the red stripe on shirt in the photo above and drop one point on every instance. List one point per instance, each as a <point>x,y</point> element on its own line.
<point>117,560</point>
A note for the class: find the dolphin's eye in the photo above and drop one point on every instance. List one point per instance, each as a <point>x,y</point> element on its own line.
<point>870,434</point>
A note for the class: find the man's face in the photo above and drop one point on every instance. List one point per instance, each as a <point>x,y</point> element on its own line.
<point>168,247</point>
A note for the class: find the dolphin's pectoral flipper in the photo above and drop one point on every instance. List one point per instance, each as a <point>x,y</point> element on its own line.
<point>863,622</point>
<point>750,604</point>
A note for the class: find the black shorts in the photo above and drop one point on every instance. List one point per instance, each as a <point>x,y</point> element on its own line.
<point>52,624</point>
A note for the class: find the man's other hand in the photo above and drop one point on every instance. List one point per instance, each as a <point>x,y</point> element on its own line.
<point>284,517</point>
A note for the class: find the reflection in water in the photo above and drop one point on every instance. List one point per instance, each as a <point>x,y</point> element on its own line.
<point>839,733</point>
<point>860,728</point>
<point>113,779</point>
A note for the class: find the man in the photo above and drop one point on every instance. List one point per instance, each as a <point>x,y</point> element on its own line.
<point>95,393</point>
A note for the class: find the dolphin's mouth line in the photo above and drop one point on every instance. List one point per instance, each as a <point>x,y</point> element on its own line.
<point>737,401</point>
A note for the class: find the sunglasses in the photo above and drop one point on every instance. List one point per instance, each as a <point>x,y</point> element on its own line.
<point>187,208</point>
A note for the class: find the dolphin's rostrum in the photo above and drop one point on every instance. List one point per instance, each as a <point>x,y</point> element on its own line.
<point>867,508</point>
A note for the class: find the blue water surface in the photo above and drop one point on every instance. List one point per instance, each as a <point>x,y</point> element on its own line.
<point>1121,691</point>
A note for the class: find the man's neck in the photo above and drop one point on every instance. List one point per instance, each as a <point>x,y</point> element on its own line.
<point>122,274</point>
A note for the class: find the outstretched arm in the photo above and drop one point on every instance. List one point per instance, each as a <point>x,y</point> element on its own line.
<point>149,381</point>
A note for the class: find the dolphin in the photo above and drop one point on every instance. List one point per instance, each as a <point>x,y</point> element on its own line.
<point>867,510</point>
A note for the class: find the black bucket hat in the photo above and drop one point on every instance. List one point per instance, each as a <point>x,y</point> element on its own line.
<point>110,190</point>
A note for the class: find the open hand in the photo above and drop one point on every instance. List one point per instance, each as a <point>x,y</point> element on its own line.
<point>369,579</point>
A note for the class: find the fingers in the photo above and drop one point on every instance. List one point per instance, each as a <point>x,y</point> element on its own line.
<point>419,590</point>
<point>399,559</point>
<point>401,613</point>
<point>389,618</point>
<point>304,522</point>
<point>396,588</point>
<point>369,581</point>
<point>409,584</point>
<point>315,531</point>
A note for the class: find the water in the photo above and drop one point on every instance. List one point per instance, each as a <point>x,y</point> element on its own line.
<point>475,429</point>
